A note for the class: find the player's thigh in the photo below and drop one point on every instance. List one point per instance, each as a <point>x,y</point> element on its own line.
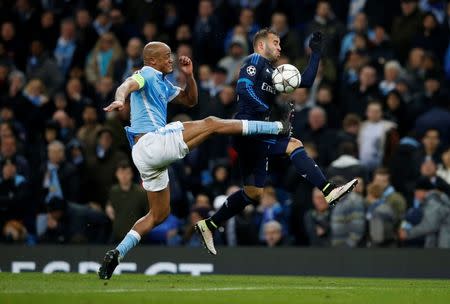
<point>196,128</point>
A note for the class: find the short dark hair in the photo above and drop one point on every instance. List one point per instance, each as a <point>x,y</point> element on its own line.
<point>263,34</point>
<point>123,164</point>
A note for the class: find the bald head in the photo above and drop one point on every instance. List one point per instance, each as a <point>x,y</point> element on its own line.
<point>158,55</point>
<point>154,49</point>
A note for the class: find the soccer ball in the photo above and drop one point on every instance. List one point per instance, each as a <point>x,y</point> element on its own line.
<point>286,78</point>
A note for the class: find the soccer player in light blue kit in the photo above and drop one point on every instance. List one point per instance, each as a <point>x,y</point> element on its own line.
<point>155,144</point>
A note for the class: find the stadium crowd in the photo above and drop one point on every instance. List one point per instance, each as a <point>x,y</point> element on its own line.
<point>379,109</point>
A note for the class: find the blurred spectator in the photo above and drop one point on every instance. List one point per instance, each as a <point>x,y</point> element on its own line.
<point>392,72</point>
<point>183,34</point>
<point>438,118</point>
<point>350,129</point>
<point>270,209</point>
<point>398,112</point>
<point>104,93</point>
<point>87,133</point>
<point>431,37</point>
<point>326,100</point>
<point>435,223</point>
<point>403,174</point>
<point>207,34</point>
<point>86,34</point>
<point>380,217</point>
<point>347,165</point>
<point>72,223</point>
<point>348,222</point>
<point>8,150</point>
<point>318,133</point>
<point>15,194</point>
<point>224,105</point>
<point>103,57</point>
<point>48,32</point>
<point>127,202</point>
<point>373,136</point>
<point>317,221</point>
<point>300,100</point>
<point>66,125</point>
<point>100,168</point>
<point>405,27</point>
<point>120,26</point>
<point>233,61</point>
<point>42,67</point>
<point>325,21</point>
<point>200,210</point>
<point>288,37</point>
<point>414,71</point>
<point>380,45</point>
<point>15,48</point>
<point>428,169</point>
<point>389,195</point>
<point>360,26</point>
<point>356,97</point>
<point>66,47</point>
<point>76,99</point>
<point>58,178</point>
<point>431,142</point>
<point>102,23</point>
<point>444,167</point>
<point>125,67</point>
<point>245,29</point>
<point>273,234</point>
<point>150,32</point>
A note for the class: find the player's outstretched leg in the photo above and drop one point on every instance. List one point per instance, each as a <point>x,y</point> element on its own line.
<point>196,132</point>
<point>159,211</point>
<point>307,167</point>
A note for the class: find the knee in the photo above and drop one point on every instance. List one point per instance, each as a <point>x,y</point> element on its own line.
<point>293,144</point>
<point>211,121</point>
<point>254,194</point>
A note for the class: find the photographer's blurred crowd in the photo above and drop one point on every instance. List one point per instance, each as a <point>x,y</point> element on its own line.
<point>378,110</point>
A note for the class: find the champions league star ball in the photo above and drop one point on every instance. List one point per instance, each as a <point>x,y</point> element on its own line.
<point>286,78</point>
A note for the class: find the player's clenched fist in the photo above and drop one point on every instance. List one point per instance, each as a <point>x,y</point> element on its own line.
<point>186,66</point>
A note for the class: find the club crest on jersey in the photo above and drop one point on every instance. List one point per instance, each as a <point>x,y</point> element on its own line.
<point>251,70</point>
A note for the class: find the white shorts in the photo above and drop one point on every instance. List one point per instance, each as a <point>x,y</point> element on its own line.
<point>155,151</point>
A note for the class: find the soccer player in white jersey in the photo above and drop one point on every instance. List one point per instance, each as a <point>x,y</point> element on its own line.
<point>156,145</point>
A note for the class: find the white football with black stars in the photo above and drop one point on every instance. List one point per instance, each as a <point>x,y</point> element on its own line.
<point>286,78</point>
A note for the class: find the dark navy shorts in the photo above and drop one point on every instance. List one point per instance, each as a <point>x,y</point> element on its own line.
<point>253,156</point>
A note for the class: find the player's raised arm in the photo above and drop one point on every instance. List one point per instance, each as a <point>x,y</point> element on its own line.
<point>188,96</point>
<point>308,76</point>
<point>131,84</point>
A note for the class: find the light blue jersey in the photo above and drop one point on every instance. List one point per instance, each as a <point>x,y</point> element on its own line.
<point>149,103</point>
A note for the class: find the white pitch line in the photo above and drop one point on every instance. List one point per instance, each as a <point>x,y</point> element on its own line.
<point>120,290</point>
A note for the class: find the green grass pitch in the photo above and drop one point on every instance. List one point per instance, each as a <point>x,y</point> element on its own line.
<point>35,288</point>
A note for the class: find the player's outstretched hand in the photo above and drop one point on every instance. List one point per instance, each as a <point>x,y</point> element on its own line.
<point>316,42</point>
<point>115,105</point>
<point>186,65</point>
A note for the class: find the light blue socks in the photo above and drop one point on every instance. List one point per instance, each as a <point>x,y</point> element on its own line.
<point>129,241</point>
<point>254,127</point>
